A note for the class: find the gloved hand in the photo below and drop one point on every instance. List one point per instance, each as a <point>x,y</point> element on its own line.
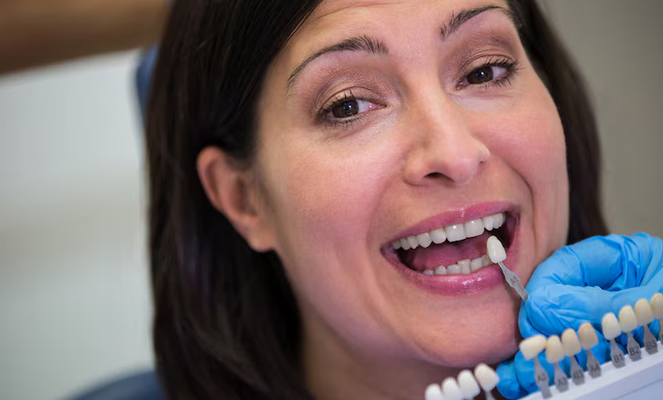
<point>580,283</point>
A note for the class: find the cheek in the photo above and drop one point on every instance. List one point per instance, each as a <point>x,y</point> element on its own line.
<point>323,194</point>
<point>535,148</point>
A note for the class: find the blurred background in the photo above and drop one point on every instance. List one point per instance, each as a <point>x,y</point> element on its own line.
<point>74,298</point>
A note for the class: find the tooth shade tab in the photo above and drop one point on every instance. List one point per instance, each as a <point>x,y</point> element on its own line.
<point>450,390</point>
<point>473,228</point>
<point>486,376</point>
<point>554,349</point>
<point>627,319</point>
<point>495,250</point>
<point>434,392</point>
<point>644,312</point>
<point>468,385</point>
<point>610,326</point>
<point>532,346</point>
<point>455,233</point>
<point>657,305</point>
<point>570,343</point>
<point>587,336</point>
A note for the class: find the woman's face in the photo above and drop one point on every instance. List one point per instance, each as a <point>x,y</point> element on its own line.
<point>384,120</point>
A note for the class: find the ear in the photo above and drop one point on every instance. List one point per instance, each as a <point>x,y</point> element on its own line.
<point>233,192</point>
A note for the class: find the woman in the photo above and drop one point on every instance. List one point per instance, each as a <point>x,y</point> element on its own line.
<point>324,174</point>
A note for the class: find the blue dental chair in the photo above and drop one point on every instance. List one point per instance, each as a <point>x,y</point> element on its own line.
<point>139,386</point>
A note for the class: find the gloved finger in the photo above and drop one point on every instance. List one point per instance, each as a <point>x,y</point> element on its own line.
<point>610,262</point>
<point>551,309</point>
<point>508,384</point>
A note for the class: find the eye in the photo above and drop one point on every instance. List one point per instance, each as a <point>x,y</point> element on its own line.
<point>343,109</point>
<point>493,72</point>
<point>486,74</point>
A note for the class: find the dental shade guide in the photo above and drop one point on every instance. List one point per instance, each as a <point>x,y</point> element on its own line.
<point>571,346</point>
<point>530,349</point>
<point>487,378</point>
<point>555,354</point>
<point>632,379</point>
<point>645,315</point>
<point>497,254</point>
<point>629,323</point>
<point>589,339</point>
<point>469,386</point>
<point>611,331</point>
<point>657,308</point>
<point>434,392</point>
<point>451,390</point>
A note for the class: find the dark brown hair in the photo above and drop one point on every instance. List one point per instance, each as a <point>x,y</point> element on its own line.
<point>226,324</point>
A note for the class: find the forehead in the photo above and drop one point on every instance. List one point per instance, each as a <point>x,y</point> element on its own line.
<point>335,20</point>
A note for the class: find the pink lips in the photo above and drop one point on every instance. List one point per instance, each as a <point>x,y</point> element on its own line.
<point>483,279</point>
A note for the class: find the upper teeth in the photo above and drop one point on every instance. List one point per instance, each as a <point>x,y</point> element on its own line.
<point>452,233</point>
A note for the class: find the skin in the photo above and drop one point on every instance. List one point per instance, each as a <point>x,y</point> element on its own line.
<point>329,199</point>
<point>39,32</point>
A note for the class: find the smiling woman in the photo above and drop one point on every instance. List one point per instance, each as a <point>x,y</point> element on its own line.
<point>324,178</point>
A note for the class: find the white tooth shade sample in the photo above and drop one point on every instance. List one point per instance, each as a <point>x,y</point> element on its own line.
<point>554,349</point>
<point>610,326</point>
<point>532,346</point>
<point>434,392</point>
<point>627,319</point>
<point>468,385</point>
<point>657,305</point>
<point>486,376</point>
<point>643,312</point>
<point>450,390</point>
<point>495,249</point>
<point>570,342</point>
<point>587,336</point>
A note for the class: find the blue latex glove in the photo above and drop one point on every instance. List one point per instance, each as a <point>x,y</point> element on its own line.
<point>580,283</point>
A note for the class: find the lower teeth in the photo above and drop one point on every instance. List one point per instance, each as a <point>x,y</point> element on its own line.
<point>463,267</point>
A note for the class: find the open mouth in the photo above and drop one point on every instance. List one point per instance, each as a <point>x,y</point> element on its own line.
<point>455,249</point>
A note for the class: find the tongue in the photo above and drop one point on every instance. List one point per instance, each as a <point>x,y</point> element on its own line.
<point>446,253</point>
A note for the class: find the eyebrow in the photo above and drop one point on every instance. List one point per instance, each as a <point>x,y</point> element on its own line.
<point>375,46</point>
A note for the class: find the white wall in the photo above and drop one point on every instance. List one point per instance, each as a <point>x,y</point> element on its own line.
<point>618,46</point>
<point>74,303</point>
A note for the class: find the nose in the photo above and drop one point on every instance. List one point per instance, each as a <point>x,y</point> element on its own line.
<point>443,144</point>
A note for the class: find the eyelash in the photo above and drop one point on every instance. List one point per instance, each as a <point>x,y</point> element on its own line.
<point>511,67</point>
